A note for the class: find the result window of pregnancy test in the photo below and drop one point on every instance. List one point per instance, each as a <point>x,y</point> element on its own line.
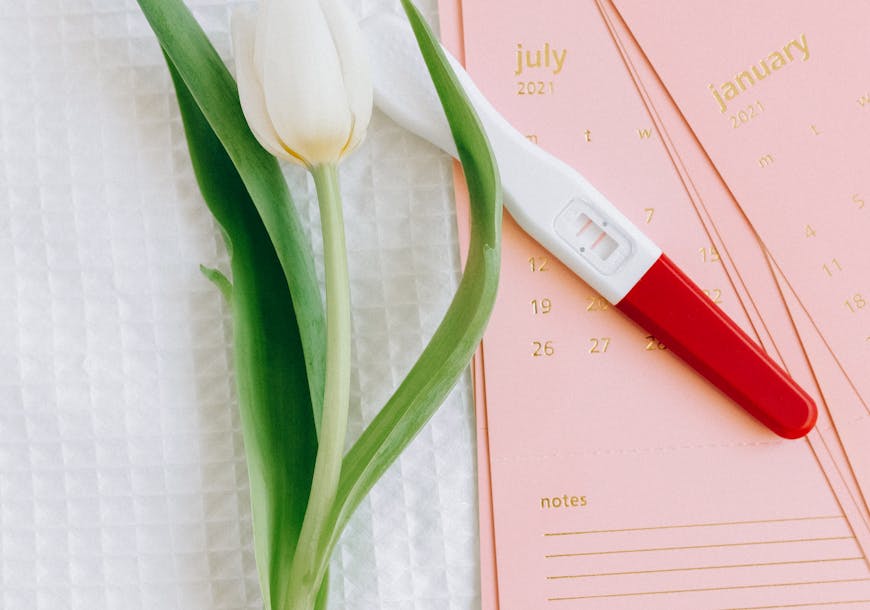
<point>588,233</point>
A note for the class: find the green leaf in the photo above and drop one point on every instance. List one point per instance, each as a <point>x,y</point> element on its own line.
<point>219,280</point>
<point>236,176</point>
<point>457,337</point>
<point>276,413</point>
<point>213,89</point>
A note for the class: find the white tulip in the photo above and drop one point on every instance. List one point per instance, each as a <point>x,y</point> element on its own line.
<point>305,88</point>
<point>304,78</point>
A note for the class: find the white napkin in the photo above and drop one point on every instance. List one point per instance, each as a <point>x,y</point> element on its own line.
<point>122,476</point>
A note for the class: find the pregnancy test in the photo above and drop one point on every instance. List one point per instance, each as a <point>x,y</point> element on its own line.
<point>560,209</point>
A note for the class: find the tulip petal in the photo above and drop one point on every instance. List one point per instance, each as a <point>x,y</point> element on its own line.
<point>259,37</point>
<point>302,80</point>
<point>355,69</point>
<point>250,91</point>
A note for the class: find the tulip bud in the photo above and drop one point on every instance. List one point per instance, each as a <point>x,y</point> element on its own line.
<point>304,79</point>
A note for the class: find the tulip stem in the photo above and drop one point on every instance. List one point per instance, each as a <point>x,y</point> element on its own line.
<point>304,577</point>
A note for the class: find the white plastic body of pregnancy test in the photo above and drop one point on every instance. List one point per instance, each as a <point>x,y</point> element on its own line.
<point>551,201</point>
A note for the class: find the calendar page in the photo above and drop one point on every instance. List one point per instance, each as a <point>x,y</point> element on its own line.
<point>769,290</point>
<point>780,103</point>
<point>612,475</point>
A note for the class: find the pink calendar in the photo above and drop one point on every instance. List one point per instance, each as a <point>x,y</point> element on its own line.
<point>611,475</point>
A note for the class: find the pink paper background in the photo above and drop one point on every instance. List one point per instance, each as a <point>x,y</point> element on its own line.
<point>619,427</point>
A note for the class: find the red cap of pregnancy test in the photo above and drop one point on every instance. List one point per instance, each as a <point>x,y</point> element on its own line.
<point>669,305</point>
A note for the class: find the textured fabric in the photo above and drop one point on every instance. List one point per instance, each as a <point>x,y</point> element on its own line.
<point>122,475</point>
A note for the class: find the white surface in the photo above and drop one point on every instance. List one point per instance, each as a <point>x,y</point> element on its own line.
<point>122,478</point>
<point>543,194</point>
